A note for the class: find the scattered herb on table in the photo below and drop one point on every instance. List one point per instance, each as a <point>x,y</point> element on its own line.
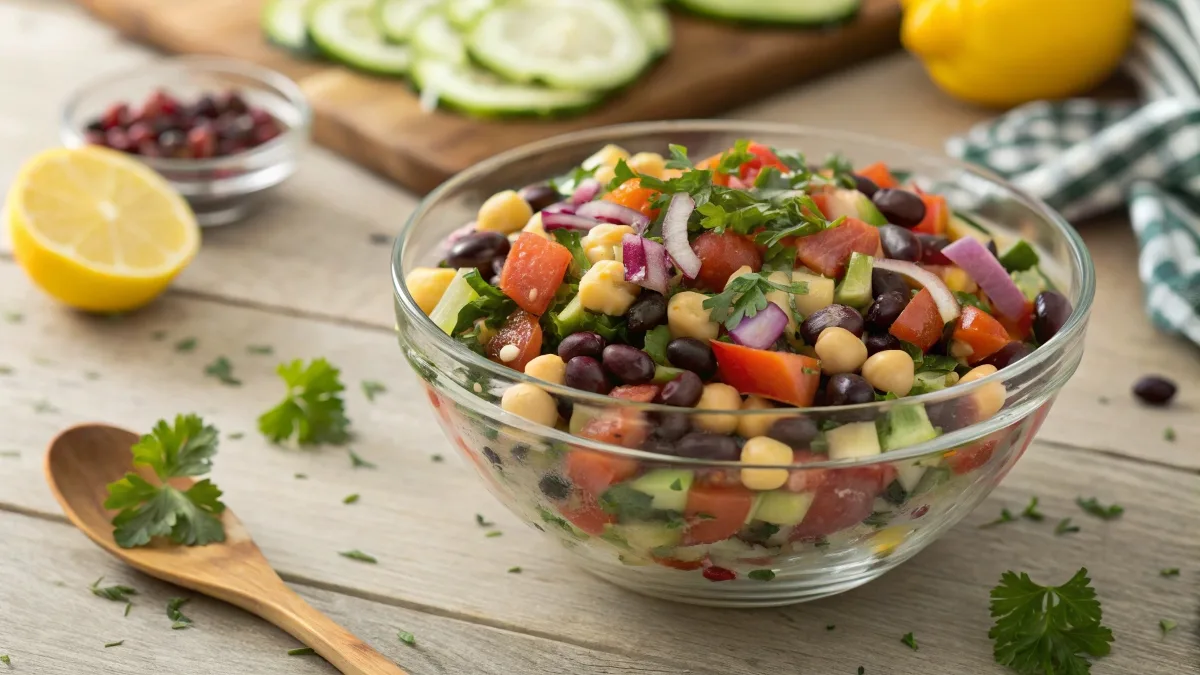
<point>6,659</point>
<point>158,335</point>
<point>301,651</point>
<point>350,499</point>
<point>300,476</point>
<point>236,436</point>
<point>91,375</point>
<point>360,463</point>
<point>861,670</point>
<point>116,593</point>
<point>909,640</point>
<point>371,389</point>
<point>1169,434</point>
<point>359,556</point>
<point>380,239</point>
<point>1047,629</point>
<point>44,406</point>
<point>1006,516</point>
<point>222,369</point>
<point>118,643</point>
<point>1065,527</point>
<point>14,317</point>
<point>178,620</point>
<point>493,534</point>
<point>186,344</point>
<point>514,570</point>
<point>1031,511</point>
<point>147,511</point>
<point>1103,400</point>
<point>407,637</point>
<point>1166,626</point>
<point>482,522</point>
<point>761,575</point>
<point>1095,508</point>
<point>312,410</point>
<point>1169,572</point>
<point>830,627</point>
<point>10,453</point>
<point>261,350</point>
<point>436,458</point>
<point>6,369</point>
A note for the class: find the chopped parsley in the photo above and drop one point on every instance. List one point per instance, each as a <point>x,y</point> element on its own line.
<point>186,345</point>
<point>350,499</point>
<point>260,350</point>
<point>482,522</point>
<point>312,410</point>
<point>1169,434</point>
<point>1006,516</point>
<point>300,476</point>
<point>44,406</point>
<point>6,659</point>
<point>6,369</point>
<point>761,575</point>
<point>677,485</point>
<point>573,242</point>
<point>235,436</point>
<point>117,593</point>
<point>1031,511</point>
<point>492,305</point>
<point>656,344</point>
<point>514,570</point>
<point>1047,629</point>
<point>358,555</point>
<point>830,627</point>
<point>360,463</point>
<point>118,643</point>
<point>407,638</point>
<point>91,375</point>
<point>1166,626</point>
<point>493,534</point>
<point>1065,527</point>
<point>178,620</point>
<point>301,651</point>
<point>222,369</point>
<point>909,640</point>
<point>371,389</point>
<point>436,458</point>
<point>14,317</point>
<point>746,296</point>
<point>1095,508</point>
<point>1169,572</point>
<point>10,453</point>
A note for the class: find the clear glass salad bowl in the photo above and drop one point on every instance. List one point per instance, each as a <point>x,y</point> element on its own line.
<point>836,524</point>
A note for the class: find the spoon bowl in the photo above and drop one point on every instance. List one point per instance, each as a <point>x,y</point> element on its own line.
<point>80,463</point>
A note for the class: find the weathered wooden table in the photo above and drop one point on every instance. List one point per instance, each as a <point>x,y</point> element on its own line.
<point>309,277</point>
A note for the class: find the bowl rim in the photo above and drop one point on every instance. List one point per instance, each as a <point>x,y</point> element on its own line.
<point>1072,330</point>
<point>293,96</point>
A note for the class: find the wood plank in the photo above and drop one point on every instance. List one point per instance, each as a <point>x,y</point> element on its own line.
<point>417,516</point>
<point>52,624</point>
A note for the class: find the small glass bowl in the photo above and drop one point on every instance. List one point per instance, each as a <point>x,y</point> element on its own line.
<point>220,190</point>
<point>694,533</point>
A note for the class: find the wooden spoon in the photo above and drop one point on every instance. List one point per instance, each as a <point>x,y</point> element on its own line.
<point>83,460</point>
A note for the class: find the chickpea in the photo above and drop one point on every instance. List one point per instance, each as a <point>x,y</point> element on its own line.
<point>890,371</point>
<point>504,212</point>
<point>604,289</point>
<point>603,240</point>
<point>717,396</point>
<point>687,317</point>
<point>548,368</point>
<point>535,226</point>
<point>608,156</point>
<point>605,174</point>
<point>820,292</point>
<point>750,426</point>
<point>765,451</point>
<point>427,285</point>
<point>648,164</point>
<point>531,402</point>
<point>989,398</point>
<point>840,351</point>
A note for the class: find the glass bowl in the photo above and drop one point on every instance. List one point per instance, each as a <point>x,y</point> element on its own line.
<point>220,190</point>
<point>686,529</point>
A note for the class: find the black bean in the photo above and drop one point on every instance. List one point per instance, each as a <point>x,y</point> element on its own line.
<point>886,308</point>
<point>1008,355</point>
<point>565,407</point>
<point>848,389</point>
<point>884,281</point>
<point>931,249</point>
<point>205,106</point>
<point>694,355</point>
<point>951,415</point>
<point>555,486</point>
<point>880,342</point>
<point>683,391</point>
<point>520,452</point>
<point>900,207</point>
<point>584,372</point>
<point>865,185</point>
<point>539,195</point>
<point>492,456</point>
<point>1155,390</point>
<point>991,246</point>
<point>648,311</point>
<point>628,364</point>
<point>831,315</point>
<point>1051,310</point>
<point>700,445</point>
<point>669,426</point>
<point>798,432</point>
<point>478,249</point>
<point>585,343</point>
<point>899,243</point>
<point>95,125</point>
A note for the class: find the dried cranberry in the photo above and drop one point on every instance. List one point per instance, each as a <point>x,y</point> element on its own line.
<point>140,132</point>
<point>921,510</point>
<point>202,141</point>
<point>117,115</point>
<point>149,149</point>
<point>231,101</point>
<point>715,573</point>
<point>263,134</point>
<point>158,104</point>
<point>117,139</point>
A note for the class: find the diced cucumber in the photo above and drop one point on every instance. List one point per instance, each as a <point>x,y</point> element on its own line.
<point>476,91</point>
<point>855,288</point>
<point>570,44</point>
<point>1030,281</point>
<point>458,294</point>
<point>655,24</point>
<point>905,425</point>
<point>283,22</point>
<point>571,316</point>
<point>345,32</point>
<point>853,204</point>
<point>644,537</point>
<point>960,226</point>
<point>783,508</point>
<point>857,439</point>
<point>820,292</point>
<point>1019,257</point>
<point>464,13</point>
<point>434,38</point>
<point>581,415</point>
<point>910,471</point>
<point>664,374</point>
<point>668,488</point>
<point>398,18</point>
<point>806,12</point>
<point>934,476</point>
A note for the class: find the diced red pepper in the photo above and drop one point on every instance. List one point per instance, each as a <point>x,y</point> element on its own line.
<point>642,393</point>
<point>919,323</point>
<point>967,459</point>
<point>632,195</point>
<point>676,563</point>
<point>626,428</point>
<point>715,513</point>
<point>593,472</point>
<point>521,330</point>
<point>981,332</point>
<point>781,376</point>
<point>585,513</point>
<point>763,158</point>
<point>880,175</point>
<point>828,252</point>
<point>533,272</point>
<point>937,215</point>
<point>1022,328</point>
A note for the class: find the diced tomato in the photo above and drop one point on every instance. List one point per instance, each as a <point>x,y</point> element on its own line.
<point>846,499</point>
<point>676,563</point>
<point>721,255</point>
<point>533,271</point>
<point>1022,328</point>
<point>593,471</point>
<point>626,428</point>
<point>879,174</point>
<point>981,332</point>
<point>828,251</point>
<point>631,194</point>
<point>967,459</point>
<point>790,378</point>
<point>585,513</point>
<point>642,393</point>
<point>715,513</point>
<point>522,330</point>
<point>806,480</point>
<point>920,322</point>
<point>821,199</point>
<point>763,157</point>
<point>937,215</point>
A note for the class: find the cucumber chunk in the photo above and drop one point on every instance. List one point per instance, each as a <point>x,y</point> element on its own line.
<point>655,24</point>
<point>435,38</point>
<point>478,92</point>
<point>668,488</point>
<point>783,508</point>
<point>855,288</point>
<point>854,204</point>
<point>345,31</point>
<point>569,44</point>
<point>464,13</point>
<point>906,425</point>
<point>1019,257</point>
<point>458,294</point>
<point>806,12</point>
<point>857,439</point>
<point>284,25</point>
<point>398,18</point>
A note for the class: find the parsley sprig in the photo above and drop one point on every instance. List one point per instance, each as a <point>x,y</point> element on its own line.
<point>746,296</point>
<point>1047,630</point>
<point>1093,507</point>
<point>147,511</point>
<point>312,410</point>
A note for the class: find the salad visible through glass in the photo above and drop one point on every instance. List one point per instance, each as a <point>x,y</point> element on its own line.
<point>748,280</point>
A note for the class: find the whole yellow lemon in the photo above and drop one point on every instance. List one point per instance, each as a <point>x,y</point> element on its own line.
<point>1007,52</point>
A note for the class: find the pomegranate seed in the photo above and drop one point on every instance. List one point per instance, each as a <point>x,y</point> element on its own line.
<point>117,139</point>
<point>228,146</point>
<point>715,573</point>
<point>117,115</point>
<point>158,104</point>
<point>149,148</point>
<point>265,133</point>
<point>240,128</point>
<point>921,510</point>
<point>94,137</point>
<point>140,132</point>
<point>202,141</point>
<point>261,116</point>
<point>231,101</point>
<point>205,107</point>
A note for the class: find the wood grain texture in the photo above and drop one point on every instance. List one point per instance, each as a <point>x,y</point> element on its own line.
<point>379,123</point>
<point>53,625</point>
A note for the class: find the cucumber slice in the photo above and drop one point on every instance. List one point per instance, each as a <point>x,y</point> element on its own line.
<point>804,12</point>
<point>464,13</point>
<point>456,296</point>
<point>570,44</point>
<point>478,92</point>
<point>398,18</point>
<point>284,25</point>
<point>435,38</point>
<point>345,31</point>
<point>655,24</point>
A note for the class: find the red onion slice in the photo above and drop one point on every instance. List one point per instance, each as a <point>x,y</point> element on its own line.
<point>761,330</point>
<point>675,235</point>
<point>974,258</point>
<point>586,191</point>
<point>609,212</point>
<point>633,256</point>
<point>560,207</point>
<point>946,303</point>
<point>567,221</point>
<point>646,263</point>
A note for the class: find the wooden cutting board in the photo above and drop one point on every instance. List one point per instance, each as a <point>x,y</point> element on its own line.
<point>378,122</point>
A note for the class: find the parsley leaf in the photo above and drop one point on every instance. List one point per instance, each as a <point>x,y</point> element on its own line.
<point>358,555</point>
<point>118,643</point>
<point>6,659</point>
<point>1031,512</point>
<point>492,305</point>
<point>627,503</point>
<point>746,296</point>
<point>1169,434</point>
<point>567,183</point>
<point>679,158</point>
<point>185,345</point>
<point>372,388</point>
<point>1047,629</point>
<point>841,170</point>
<point>1065,527</point>
<point>1169,572</point>
<point>656,344</point>
<point>117,593</point>
<point>407,638</point>
<point>260,350</point>
<point>1093,507</point>
<point>148,511</point>
<point>972,300</point>
<point>312,409</point>
<point>622,173</point>
<point>573,241</point>
<point>359,463</point>
<point>301,651</point>
<point>222,369</point>
<point>1166,626</point>
<point>350,499</point>
<point>514,570</point>
<point>779,259</point>
<point>761,575</point>
<point>733,159</point>
<point>909,640</point>
<point>1006,516</point>
<point>482,522</point>
<point>178,620</point>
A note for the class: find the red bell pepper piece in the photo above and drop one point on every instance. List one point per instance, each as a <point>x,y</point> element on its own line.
<point>981,332</point>
<point>632,195</point>
<point>937,214</point>
<point>1022,328</point>
<point>790,378</point>
<point>533,272</point>
<point>593,471</point>
<point>715,513</point>
<point>880,175</point>
<point>919,323</point>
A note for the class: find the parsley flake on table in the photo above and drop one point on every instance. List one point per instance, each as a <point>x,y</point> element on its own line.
<point>372,388</point>
<point>909,640</point>
<point>300,476</point>
<point>178,620</point>
<point>116,593</point>
<point>301,651</point>
<point>861,670</point>
<point>1166,626</point>
<point>1095,508</point>
<point>1031,511</point>
<point>746,296</point>
<point>482,522</point>
<point>1047,629</point>
<point>6,659</point>
<point>146,511</point>
<point>358,555</point>
<point>830,626</point>
<point>1006,516</point>
<point>44,406</point>
<point>514,570</point>
<point>235,436</point>
<point>186,344</point>
<point>1065,527</point>
<point>222,369</point>
<point>91,375</point>
<point>358,462</point>
<point>312,409</point>
<point>493,534</point>
<point>436,458</point>
<point>14,317</point>
<point>350,499</point>
<point>10,453</point>
<point>761,575</point>
<point>260,350</point>
<point>1169,434</point>
<point>118,643</point>
<point>407,637</point>
<point>1169,572</point>
<point>6,369</point>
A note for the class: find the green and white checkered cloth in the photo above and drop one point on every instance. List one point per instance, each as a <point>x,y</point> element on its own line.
<point>1086,157</point>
